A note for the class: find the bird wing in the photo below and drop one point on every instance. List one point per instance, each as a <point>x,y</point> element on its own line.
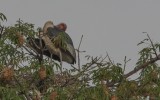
<point>67,46</point>
<point>64,41</point>
<point>72,51</point>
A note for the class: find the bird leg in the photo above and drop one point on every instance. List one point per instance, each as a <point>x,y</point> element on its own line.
<point>60,56</point>
<point>51,58</point>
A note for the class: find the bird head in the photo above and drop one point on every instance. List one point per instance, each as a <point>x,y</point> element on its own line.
<point>47,25</point>
<point>62,26</point>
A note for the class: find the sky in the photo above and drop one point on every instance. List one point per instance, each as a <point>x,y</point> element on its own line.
<point>114,26</point>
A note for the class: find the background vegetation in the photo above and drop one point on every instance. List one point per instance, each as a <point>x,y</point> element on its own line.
<point>25,74</point>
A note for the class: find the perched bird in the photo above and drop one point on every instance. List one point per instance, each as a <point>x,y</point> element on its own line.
<point>62,26</point>
<point>58,43</point>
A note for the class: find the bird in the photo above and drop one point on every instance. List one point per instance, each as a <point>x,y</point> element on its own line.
<point>62,26</point>
<point>54,38</point>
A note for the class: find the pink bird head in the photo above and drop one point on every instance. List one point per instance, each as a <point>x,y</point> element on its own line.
<point>62,26</point>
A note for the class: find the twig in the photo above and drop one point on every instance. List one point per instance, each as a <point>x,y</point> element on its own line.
<point>35,44</point>
<point>74,68</point>
<point>109,59</point>
<point>78,53</point>
<point>97,64</point>
<point>152,45</point>
<point>86,67</point>
<point>125,62</point>
<point>30,52</point>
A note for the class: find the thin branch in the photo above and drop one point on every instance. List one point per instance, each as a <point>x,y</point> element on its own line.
<point>87,66</point>
<point>74,68</point>
<point>109,59</point>
<point>78,53</point>
<point>152,45</point>
<point>30,52</point>
<point>97,63</point>
<point>125,62</point>
<point>35,44</point>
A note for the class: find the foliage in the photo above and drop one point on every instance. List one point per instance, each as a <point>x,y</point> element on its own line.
<point>24,76</point>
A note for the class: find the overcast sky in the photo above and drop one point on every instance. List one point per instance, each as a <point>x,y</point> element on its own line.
<point>114,26</point>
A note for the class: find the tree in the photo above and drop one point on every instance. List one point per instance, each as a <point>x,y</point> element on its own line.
<point>26,74</point>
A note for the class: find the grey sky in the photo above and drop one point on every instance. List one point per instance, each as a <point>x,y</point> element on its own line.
<point>115,26</point>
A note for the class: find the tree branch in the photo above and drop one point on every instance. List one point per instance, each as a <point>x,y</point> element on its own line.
<point>137,68</point>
